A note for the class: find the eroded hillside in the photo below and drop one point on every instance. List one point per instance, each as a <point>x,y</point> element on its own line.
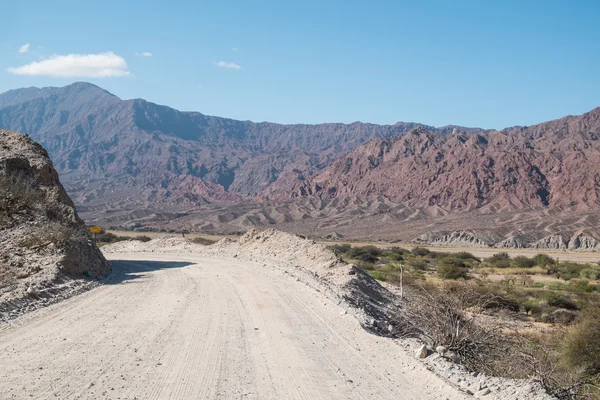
<point>44,245</point>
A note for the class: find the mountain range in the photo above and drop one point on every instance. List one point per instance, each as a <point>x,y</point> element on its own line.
<point>132,163</point>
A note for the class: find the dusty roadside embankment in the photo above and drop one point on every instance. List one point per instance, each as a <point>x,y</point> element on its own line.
<point>45,252</point>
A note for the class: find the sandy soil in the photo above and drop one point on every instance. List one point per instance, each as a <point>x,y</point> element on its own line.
<point>192,326</point>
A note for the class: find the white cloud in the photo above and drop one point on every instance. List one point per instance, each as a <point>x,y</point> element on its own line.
<point>144,54</point>
<point>102,65</point>
<point>228,65</point>
<point>24,48</point>
<point>234,49</point>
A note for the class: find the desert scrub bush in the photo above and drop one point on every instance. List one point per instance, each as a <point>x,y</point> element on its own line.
<point>581,345</point>
<point>367,266</point>
<point>463,255</point>
<point>452,268</point>
<point>17,193</point>
<point>378,275</point>
<point>499,260</point>
<point>395,254</point>
<point>589,274</point>
<point>561,317</point>
<point>365,253</point>
<point>523,262</point>
<point>543,260</point>
<point>142,238</point>
<point>439,318</point>
<point>203,241</point>
<point>474,296</point>
<point>108,238</point>
<point>420,251</point>
<point>541,358</point>
<point>560,301</point>
<point>418,264</point>
<point>581,285</point>
<point>568,270</point>
<point>104,238</point>
<point>340,249</point>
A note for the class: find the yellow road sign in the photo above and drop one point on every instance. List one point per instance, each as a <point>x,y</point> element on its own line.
<point>95,229</point>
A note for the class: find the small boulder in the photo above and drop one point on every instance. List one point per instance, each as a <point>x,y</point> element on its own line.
<point>32,292</point>
<point>441,350</point>
<point>422,352</point>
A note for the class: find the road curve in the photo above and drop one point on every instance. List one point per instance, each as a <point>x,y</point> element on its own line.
<point>193,327</point>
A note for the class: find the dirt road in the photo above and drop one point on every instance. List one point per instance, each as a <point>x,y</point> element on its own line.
<point>199,327</point>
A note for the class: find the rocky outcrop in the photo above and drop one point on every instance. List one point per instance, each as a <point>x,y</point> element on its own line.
<point>552,242</point>
<point>458,239</point>
<point>43,242</point>
<point>510,242</point>
<point>583,242</point>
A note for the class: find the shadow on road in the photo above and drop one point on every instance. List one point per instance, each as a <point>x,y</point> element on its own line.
<point>128,270</point>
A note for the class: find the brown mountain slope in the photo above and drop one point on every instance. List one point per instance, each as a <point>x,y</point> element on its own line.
<point>555,165</point>
<point>135,154</point>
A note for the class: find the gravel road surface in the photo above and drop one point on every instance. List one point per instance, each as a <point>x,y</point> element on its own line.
<point>190,326</point>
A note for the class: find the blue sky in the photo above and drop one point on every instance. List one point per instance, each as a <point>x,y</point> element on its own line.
<point>471,63</point>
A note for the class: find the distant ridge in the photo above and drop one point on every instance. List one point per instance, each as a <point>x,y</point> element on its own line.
<point>138,164</point>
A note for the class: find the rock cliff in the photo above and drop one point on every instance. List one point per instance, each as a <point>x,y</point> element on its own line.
<point>44,245</point>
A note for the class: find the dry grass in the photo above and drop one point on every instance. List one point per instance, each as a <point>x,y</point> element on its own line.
<point>17,193</point>
<point>439,316</point>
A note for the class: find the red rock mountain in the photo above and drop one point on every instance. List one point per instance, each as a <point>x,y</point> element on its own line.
<point>137,154</point>
<point>140,165</point>
<point>554,165</point>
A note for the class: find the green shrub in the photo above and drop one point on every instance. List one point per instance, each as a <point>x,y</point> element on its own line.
<point>418,264</point>
<point>380,276</point>
<point>543,260</point>
<point>463,255</point>
<point>523,262</point>
<point>367,266</point>
<point>499,256</point>
<point>365,253</point>
<point>581,345</point>
<point>589,274</point>
<point>568,270</point>
<point>532,307</point>
<point>420,251</point>
<point>399,250</point>
<point>452,268</point>
<point>499,260</point>
<point>558,301</point>
<point>581,285</point>
<point>341,248</point>
<point>393,256</point>
<point>439,254</point>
